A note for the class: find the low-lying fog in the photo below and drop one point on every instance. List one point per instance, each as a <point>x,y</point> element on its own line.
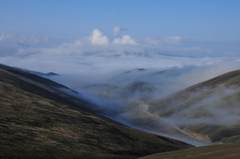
<point>122,72</point>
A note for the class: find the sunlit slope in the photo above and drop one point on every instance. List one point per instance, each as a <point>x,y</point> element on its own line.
<point>210,108</point>
<point>223,151</point>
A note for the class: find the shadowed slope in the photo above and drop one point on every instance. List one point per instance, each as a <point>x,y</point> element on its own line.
<point>38,120</point>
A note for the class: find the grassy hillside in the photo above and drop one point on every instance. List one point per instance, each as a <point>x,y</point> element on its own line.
<point>210,108</point>
<point>224,151</point>
<point>40,121</point>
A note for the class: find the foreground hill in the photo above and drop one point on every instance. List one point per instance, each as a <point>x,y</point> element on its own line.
<point>209,110</point>
<point>41,119</point>
<point>224,151</point>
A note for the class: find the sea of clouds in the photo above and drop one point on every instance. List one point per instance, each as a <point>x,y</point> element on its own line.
<point>168,64</point>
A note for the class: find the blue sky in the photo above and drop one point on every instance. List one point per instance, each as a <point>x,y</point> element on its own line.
<point>75,37</point>
<point>195,19</point>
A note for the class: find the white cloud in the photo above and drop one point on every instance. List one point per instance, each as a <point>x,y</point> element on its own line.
<point>97,38</point>
<point>174,39</point>
<point>124,40</point>
<point>169,40</point>
<point>3,36</point>
<point>116,30</point>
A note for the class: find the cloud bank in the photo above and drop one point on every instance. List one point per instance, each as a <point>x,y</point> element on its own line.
<point>121,51</point>
<point>124,40</point>
<point>119,63</point>
<point>98,38</point>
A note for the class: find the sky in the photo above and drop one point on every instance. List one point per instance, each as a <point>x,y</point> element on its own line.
<point>205,20</point>
<point>64,35</point>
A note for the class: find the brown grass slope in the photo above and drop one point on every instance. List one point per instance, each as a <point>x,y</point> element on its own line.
<point>39,121</point>
<point>210,108</point>
<point>224,151</point>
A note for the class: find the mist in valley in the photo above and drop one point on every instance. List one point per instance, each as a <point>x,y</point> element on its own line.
<point>125,78</point>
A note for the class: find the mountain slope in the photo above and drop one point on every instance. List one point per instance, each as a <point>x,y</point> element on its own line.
<point>39,119</point>
<point>210,108</point>
<point>223,151</point>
